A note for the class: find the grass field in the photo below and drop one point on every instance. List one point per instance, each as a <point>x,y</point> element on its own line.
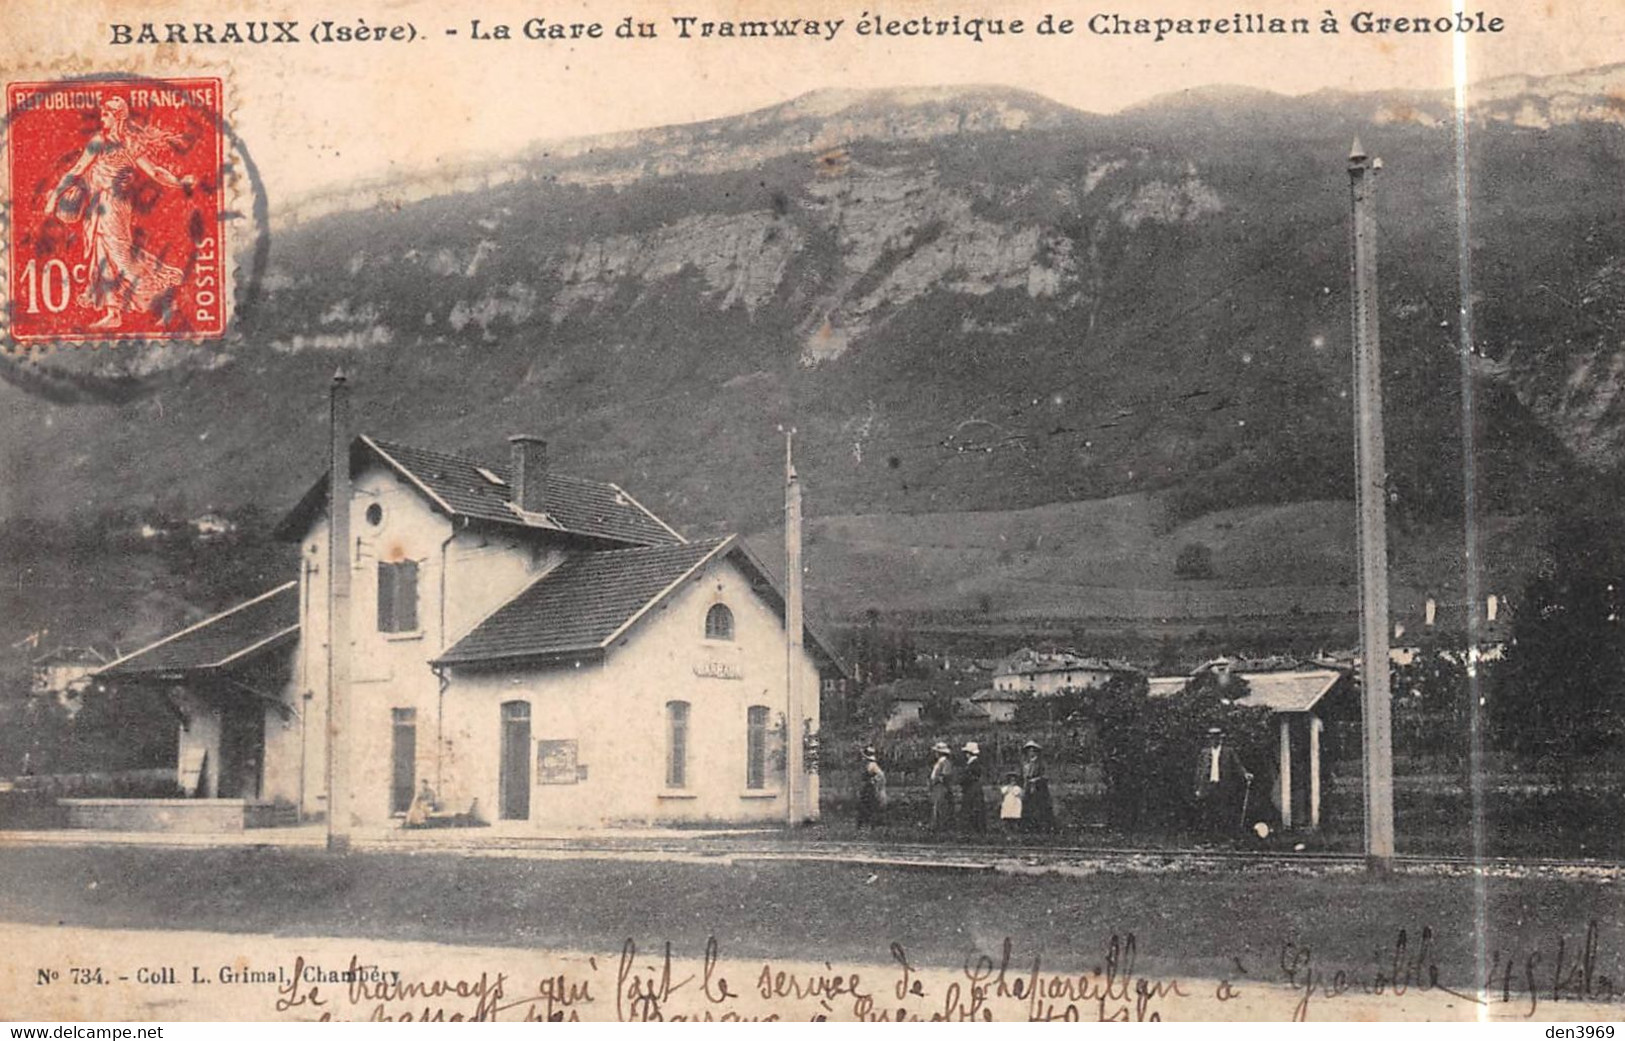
<point>1113,559</point>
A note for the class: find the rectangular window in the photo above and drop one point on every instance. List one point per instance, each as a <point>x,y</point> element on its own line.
<point>676,744</point>
<point>398,596</point>
<point>756,747</point>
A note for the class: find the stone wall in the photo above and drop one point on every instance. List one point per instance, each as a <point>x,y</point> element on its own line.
<point>186,815</point>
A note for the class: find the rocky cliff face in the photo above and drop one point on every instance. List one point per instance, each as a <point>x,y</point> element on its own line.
<point>897,233</point>
<point>1577,385</point>
<point>964,299</point>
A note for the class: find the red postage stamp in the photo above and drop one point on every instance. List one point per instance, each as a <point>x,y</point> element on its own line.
<point>117,229</point>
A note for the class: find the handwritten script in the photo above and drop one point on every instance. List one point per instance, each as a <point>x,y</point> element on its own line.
<point>663,983</point>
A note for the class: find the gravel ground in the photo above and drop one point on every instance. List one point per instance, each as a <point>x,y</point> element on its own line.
<point>1187,919</point>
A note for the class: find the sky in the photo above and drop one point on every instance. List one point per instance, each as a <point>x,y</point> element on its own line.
<point>317,115</point>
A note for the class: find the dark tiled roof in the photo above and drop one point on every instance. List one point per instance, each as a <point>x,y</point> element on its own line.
<point>459,487</point>
<point>572,504</point>
<point>223,640</point>
<point>582,603</point>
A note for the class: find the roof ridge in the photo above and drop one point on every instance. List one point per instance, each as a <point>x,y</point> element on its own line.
<point>662,547</point>
<point>710,553</point>
<point>406,470</point>
<point>652,515</point>
<point>581,505</point>
<point>498,468</point>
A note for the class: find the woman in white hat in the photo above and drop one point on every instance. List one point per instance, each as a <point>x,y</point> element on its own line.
<point>942,788</point>
<point>871,788</point>
<point>972,800</point>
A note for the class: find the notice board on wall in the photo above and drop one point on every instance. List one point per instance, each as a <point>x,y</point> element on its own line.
<point>556,761</point>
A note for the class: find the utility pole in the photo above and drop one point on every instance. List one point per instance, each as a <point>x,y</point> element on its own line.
<point>1371,502</point>
<point>338,615</point>
<point>795,785</point>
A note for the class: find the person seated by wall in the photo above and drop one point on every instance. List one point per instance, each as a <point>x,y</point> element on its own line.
<point>423,807</point>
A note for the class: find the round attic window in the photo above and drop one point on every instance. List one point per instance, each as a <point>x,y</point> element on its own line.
<point>375,515</point>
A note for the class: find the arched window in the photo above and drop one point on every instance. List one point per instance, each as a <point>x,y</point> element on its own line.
<point>676,744</point>
<point>719,623</point>
<point>756,747</point>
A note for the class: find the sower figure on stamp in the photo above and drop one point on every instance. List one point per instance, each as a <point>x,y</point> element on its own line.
<point>1221,787</point>
<point>972,799</point>
<point>1037,808</point>
<point>942,788</point>
<point>871,789</point>
<point>100,189</point>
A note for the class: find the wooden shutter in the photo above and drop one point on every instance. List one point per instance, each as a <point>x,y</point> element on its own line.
<point>386,598</point>
<point>406,596</point>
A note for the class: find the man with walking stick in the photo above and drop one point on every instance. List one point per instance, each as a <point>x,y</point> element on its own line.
<point>1221,790</point>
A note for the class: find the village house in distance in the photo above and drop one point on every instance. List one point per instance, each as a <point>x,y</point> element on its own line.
<point>538,649</point>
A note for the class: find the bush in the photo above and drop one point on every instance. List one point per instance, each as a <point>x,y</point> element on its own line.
<point>1195,560</point>
<point>1145,746</point>
<point>21,810</point>
<point>1561,688</point>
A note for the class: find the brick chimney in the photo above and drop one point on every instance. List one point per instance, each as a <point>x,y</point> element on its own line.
<point>527,486</point>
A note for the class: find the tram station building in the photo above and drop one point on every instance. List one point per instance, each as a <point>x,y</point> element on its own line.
<point>537,649</point>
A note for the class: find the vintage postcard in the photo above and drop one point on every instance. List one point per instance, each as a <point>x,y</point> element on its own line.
<point>1014,511</point>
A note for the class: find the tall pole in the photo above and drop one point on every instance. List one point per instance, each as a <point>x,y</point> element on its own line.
<point>1371,501</point>
<point>1469,502</point>
<point>338,615</point>
<point>795,785</point>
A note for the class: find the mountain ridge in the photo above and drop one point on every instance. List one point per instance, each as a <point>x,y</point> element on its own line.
<point>1554,99</point>
<point>1045,307</point>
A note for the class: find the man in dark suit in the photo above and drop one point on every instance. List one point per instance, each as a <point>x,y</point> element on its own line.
<point>1221,787</point>
<point>972,799</point>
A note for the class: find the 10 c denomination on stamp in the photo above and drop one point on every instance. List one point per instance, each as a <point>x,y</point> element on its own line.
<point>117,229</point>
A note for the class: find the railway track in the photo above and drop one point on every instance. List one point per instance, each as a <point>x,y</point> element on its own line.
<point>1236,855</point>
<point>759,846</point>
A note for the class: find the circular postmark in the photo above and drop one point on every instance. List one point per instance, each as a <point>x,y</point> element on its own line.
<point>134,216</point>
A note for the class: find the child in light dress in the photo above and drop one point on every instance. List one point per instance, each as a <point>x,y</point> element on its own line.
<point>1010,806</point>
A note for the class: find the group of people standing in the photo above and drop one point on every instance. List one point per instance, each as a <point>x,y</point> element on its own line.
<point>1219,804</point>
<point>958,791</point>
